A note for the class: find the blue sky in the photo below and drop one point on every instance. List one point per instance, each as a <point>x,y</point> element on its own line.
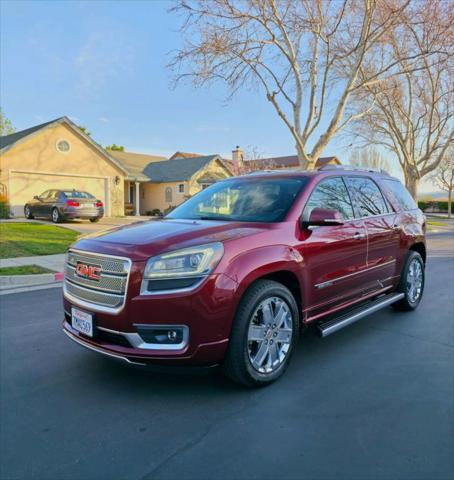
<point>103,64</point>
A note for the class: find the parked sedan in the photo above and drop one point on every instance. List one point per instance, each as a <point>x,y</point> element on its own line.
<point>62,205</point>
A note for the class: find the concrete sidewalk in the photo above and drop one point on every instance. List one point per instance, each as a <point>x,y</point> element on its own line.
<point>52,262</point>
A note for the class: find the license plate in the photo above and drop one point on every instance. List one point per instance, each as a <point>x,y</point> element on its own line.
<point>82,321</point>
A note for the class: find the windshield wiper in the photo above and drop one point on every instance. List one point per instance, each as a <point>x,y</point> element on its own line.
<point>220,217</point>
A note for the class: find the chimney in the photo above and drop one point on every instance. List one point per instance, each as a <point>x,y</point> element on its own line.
<point>237,156</point>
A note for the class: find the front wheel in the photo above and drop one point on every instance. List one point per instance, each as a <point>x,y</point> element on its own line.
<point>411,282</point>
<point>56,216</point>
<point>28,213</point>
<point>264,333</point>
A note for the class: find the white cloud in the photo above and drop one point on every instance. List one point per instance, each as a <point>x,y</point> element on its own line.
<point>103,119</point>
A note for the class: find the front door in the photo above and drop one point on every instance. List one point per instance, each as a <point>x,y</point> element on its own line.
<point>334,256</point>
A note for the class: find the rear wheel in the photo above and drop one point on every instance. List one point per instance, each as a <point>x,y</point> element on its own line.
<point>28,213</point>
<point>94,220</point>
<point>411,282</point>
<point>263,336</point>
<point>56,216</point>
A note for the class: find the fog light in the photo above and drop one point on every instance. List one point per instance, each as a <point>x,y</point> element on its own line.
<point>162,335</point>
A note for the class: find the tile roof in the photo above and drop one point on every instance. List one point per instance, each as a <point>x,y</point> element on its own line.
<point>8,140</point>
<point>185,155</point>
<point>178,169</point>
<point>135,163</point>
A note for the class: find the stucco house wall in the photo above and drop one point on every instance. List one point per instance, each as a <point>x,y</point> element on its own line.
<point>34,165</point>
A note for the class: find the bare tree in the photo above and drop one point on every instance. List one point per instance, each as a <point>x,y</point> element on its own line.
<point>308,56</point>
<point>369,158</point>
<point>443,177</point>
<point>412,114</point>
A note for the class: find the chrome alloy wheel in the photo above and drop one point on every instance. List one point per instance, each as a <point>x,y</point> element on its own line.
<point>55,215</point>
<point>27,211</point>
<point>270,334</point>
<point>414,281</point>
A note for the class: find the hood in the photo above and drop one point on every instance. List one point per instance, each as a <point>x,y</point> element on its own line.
<point>146,239</point>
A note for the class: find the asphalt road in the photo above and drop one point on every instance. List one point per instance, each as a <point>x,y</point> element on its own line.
<point>374,401</point>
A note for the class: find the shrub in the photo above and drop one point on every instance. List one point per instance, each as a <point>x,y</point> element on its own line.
<point>433,206</point>
<point>154,213</point>
<point>4,207</point>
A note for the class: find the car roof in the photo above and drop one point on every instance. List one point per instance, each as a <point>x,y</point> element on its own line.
<point>329,170</point>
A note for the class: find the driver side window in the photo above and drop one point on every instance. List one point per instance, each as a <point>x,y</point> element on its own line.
<point>330,194</point>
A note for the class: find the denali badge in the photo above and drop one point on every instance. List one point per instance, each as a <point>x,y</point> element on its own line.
<point>93,272</point>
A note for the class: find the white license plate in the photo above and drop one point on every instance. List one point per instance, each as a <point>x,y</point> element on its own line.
<point>82,321</point>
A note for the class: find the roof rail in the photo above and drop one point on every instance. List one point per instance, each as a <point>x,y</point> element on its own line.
<point>354,169</point>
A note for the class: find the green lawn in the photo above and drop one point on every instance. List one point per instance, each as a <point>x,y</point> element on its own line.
<point>437,223</point>
<point>24,270</point>
<point>27,239</point>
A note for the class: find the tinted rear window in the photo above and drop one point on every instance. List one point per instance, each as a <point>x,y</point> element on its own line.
<point>77,194</point>
<point>399,194</point>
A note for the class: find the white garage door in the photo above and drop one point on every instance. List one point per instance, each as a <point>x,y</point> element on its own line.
<point>24,186</point>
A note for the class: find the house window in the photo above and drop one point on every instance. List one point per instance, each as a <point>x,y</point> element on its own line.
<point>181,188</point>
<point>63,146</point>
<point>169,195</point>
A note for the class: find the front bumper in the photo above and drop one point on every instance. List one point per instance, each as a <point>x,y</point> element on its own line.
<point>207,311</point>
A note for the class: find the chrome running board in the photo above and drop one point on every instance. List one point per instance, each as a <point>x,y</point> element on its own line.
<point>333,325</point>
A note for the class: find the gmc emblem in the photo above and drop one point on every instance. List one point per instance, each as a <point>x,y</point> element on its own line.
<point>93,272</point>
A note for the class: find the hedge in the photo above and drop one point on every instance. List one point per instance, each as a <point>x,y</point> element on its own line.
<point>436,206</point>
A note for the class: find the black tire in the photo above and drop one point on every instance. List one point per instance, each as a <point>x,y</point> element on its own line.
<point>56,215</point>
<point>28,213</point>
<point>94,220</point>
<point>407,303</point>
<point>237,364</point>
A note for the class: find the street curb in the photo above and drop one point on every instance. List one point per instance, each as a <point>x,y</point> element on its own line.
<point>13,282</point>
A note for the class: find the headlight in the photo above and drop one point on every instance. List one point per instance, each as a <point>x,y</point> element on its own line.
<point>180,268</point>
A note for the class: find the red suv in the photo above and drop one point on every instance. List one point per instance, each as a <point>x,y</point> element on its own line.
<point>230,276</point>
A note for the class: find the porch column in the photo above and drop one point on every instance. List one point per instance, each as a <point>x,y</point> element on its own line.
<point>137,202</point>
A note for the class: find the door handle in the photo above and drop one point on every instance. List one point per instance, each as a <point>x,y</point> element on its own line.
<point>396,227</point>
<point>358,236</point>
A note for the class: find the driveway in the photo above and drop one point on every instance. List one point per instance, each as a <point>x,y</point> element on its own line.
<point>374,401</point>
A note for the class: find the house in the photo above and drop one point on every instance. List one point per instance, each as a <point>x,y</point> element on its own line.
<point>59,155</point>
<point>155,183</point>
<point>287,162</point>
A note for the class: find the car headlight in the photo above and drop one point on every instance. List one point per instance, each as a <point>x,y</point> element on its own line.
<point>181,268</point>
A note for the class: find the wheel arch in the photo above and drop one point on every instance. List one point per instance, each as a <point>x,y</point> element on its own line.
<point>421,249</point>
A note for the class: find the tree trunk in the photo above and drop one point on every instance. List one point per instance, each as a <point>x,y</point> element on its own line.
<point>412,186</point>
<point>450,203</point>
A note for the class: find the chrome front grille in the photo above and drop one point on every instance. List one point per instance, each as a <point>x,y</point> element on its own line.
<point>107,293</point>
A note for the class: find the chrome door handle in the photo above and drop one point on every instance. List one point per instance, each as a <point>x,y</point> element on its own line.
<point>358,236</point>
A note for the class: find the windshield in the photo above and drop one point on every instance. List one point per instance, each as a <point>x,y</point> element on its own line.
<point>251,200</point>
<point>77,194</point>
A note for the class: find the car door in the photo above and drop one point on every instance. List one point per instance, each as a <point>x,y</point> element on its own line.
<point>48,203</point>
<point>382,229</point>
<point>38,204</point>
<point>334,256</point>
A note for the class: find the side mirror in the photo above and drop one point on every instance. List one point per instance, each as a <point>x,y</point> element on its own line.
<point>36,197</point>
<point>320,217</point>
